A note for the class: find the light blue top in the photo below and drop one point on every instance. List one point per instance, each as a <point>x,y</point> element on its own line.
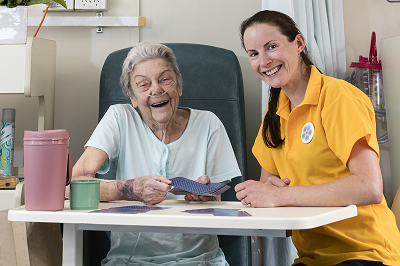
<point>203,149</point>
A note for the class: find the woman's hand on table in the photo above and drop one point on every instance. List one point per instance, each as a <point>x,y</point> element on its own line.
<point>261,193</point>
<point>150,189</point>
<point>204,179</point>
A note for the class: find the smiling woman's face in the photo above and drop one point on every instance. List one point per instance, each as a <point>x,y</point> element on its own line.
<point>274,59</point>
<point>150,80</point>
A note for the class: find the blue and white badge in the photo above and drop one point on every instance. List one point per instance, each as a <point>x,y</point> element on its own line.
<point>307,133</point>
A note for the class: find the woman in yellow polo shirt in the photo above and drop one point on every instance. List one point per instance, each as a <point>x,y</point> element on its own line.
<point>317,147</point>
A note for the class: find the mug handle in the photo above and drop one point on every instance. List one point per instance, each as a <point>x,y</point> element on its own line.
<point>69,168</point>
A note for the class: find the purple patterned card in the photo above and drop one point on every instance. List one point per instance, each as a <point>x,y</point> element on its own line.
<point>130,209</point>
<point>220,212</point>
<point>182,185</point>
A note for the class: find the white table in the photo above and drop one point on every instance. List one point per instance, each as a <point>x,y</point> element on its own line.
<point>262,222</point>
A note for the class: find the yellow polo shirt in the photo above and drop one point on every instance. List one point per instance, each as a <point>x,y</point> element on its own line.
<point>340,115</point>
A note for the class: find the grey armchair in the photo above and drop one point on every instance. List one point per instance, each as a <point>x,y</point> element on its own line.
<point>212,80</point>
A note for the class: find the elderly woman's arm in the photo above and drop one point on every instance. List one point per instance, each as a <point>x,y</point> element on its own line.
<point>148,189</point>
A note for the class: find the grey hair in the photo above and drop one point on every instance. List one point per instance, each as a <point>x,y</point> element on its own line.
<point>142,52</point>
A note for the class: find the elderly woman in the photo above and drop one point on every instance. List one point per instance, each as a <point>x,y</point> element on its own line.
<point>317,147</point>
<point>151,141</point>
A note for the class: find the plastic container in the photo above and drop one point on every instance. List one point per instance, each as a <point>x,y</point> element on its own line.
<point>47,169</point>
<point>13,24</point>
<point>368,72</point>
<point>7,141</point>
<point>85,194</point>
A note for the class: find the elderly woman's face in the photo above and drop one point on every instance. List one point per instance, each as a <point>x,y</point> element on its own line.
<point>155,90</point>
<point>274,59</point>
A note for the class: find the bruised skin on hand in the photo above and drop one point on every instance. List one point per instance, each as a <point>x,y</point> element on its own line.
<point>125,190</point>
<point>147,189</point>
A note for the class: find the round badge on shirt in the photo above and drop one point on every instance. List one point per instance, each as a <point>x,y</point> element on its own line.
<point>307,132</point>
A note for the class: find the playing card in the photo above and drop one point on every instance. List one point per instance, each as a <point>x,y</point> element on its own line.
<point>219,212</point>
<point>183,185</point>
<point>130,209</point>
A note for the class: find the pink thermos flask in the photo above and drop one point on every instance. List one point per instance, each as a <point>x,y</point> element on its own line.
<point>47,169</point>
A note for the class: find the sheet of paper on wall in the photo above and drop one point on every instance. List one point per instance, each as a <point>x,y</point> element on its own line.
<point>181,186</point>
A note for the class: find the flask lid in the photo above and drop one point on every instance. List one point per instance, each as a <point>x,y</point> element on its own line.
<point>52,135</point>
<point>372,61</point>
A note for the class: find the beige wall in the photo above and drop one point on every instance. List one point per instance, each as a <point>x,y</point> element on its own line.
<point>81,53</point>
<point>361,17</point>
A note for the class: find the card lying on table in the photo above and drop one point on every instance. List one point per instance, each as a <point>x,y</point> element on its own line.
<point>182,185</point>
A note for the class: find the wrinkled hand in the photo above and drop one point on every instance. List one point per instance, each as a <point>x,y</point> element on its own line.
<point>260,194</point>
<point>204,179</point>
<point>150,189</point>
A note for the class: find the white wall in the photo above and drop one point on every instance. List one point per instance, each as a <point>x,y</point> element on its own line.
<point>81,53</point>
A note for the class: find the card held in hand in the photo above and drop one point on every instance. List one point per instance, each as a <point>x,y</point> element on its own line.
<point>182,185</point>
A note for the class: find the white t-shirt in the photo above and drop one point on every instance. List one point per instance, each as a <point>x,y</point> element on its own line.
<point>203,149</point>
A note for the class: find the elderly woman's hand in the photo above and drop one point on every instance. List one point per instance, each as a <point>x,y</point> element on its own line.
<point>204,179</point>
<point>150,189</point>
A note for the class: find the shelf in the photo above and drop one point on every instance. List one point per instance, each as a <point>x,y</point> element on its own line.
<point>95,21</point>
<point>30,70</point>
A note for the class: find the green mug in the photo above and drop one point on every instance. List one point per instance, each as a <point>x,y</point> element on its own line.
<point>84,194</point>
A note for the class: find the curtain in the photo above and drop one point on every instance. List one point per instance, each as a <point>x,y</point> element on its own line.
<point>321,23</point>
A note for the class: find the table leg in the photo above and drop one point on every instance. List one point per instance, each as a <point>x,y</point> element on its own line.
<point>257,251</point>
<point>72,245</point>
